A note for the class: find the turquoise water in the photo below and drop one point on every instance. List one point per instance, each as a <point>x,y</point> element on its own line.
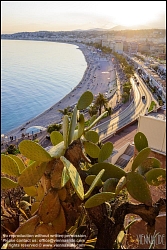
<point>34,76</point>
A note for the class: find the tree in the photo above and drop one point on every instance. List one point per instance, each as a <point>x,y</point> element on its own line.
<point>72,197</point>
<point>101,101</point>
<point>54,127</point>
<point>65,111</point>
<point>92,110</point>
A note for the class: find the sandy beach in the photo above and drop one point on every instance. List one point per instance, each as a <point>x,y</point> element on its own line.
<point>99,76</point>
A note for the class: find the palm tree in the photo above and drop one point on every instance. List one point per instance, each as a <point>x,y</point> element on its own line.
<point>65,111</point>
<point>101,101</point>
<point>92,110</point>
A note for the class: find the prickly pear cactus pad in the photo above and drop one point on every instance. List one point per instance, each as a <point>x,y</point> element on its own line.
<point>34,151</point>
<point>31,191</point>
<point>110,185</point>
<point>58,150</point>
<point>32,174</point>
<point>92,136</point>
<point>56,174</point>
<point>9,166</point>
<point>74,177</point>
<point>95,121</point>
<point>142,155</point>
<point>94,183</point>
<point>138,188</point>
<point>90,178</point>
<point>65,130</point>
<point>140,141</point>
<point>91,149</point>
<point>49,207</point>
<point>59,224</point>
<point>111,171</point>
<point>85,100</point>
<point>7,183</point>
<point>148,164</point>
<point>29,226</point>
<point>105,151</point>
<point>98,199</point>
<point>19,162</point>
<point>65,177</point>
<point>156,176</point>
<point>121,184</point>
<point>72,125</point>
<point>81,125</point>
<point>56,137</point>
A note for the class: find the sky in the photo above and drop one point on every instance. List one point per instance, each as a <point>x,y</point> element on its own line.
<point>20,16</point>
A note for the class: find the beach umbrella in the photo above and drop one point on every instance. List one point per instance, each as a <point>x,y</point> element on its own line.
<point>35,129</point>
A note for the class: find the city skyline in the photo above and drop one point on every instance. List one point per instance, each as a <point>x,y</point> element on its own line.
<point>32,16</point>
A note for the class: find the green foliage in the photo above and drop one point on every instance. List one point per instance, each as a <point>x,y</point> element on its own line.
<point>110,185</point>
<point>54,127</point>
<point>85,100</point>
<point>91,149</point>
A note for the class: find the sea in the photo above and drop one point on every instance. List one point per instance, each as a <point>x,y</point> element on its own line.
<point>34,76</point>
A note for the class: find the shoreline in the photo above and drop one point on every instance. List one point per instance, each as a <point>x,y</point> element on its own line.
<point>89,81</point>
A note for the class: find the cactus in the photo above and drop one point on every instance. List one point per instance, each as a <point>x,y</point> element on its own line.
<point>35,207</point>
<point>110,185</point>
<point>56,174</point>
<point>138,188</point>
<point>81,125</point>
<point>9,166</point>
<point>56,137</point>
<point>29,226</point>
<point>105,151</point>
<point>98,199</point>
<point>65,130</point>
<point>19,162</point>
<point>91,149</point>
<point>72,125</point>
<point>45,229</point>
<point>140,141</point>
<point>121,184</point>
<point>34,151</point>
<point>31,191</point>
<point>59,224</point>
<point>40,193</point>
<point>95,121</point>
<point>85,100</point>
<point>49,207</point>
<point>7,183</point>
<point>111,171</point>
<point>32,174</point>
<point>156,176</point>
<point>62,193</point>
<point>91,136</point>
<point>94,183</point>
<point>58,150</point>
<point>142,155</point>
<point>65,177</point>
<point>74,177</point>
<point>90,178</point>
<point>148,164</point>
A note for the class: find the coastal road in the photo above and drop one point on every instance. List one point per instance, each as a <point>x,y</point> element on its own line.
<point>137,107</point>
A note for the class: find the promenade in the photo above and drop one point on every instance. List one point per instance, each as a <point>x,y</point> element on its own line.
<point>99,77</point>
